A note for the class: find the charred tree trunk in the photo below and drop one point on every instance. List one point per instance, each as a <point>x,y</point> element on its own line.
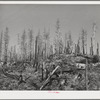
<point>35,61</point>
<point>98,49</point>
<point>91,48</point>
<point>42,73</point>
<point>86,75</point>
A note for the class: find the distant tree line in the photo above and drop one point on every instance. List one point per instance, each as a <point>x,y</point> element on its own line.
<point>36,48</point>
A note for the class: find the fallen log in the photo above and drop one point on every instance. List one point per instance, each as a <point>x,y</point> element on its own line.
<point>47,80</point>
<point>16,77</point>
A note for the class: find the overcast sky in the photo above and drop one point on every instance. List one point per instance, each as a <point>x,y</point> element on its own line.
<point>72,18</point>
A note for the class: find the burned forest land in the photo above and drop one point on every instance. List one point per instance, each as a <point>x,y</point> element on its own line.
<point>37,64</point>
<point>63,72</point>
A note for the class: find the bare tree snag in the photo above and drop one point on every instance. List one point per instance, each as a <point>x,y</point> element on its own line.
<point>98,49</point>
<point>86,75</point>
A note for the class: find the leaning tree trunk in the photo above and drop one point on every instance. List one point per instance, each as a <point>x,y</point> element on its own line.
<point>47,80</point>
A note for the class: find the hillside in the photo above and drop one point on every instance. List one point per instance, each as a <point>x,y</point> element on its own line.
<point>63,72</point>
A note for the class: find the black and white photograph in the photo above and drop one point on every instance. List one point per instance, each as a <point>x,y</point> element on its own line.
<point>50,47</point>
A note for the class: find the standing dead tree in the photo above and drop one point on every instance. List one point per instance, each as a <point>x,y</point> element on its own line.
<point>78,46</point>
<point>98,49</point>
<point>23,46</point>
<point>38,50</point>
<point>60,46</point>
<point>46,42</point>
<point>36,53</point>
<point>68,43</point>
<point>65,49</point>
<point>19,47</point>
<point>94,27</point>
<point>58,39</point>
<point>86,75</point>
<point>6,42</point>
<point>11,54</point>
<point>39,44</point>
<point>51,50</point>
<point>1,44</point>
<point>14,53</point>
<point>84,41</point>
<point>31,45</point>
<point>75,50</point>
<point>91,48</point>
